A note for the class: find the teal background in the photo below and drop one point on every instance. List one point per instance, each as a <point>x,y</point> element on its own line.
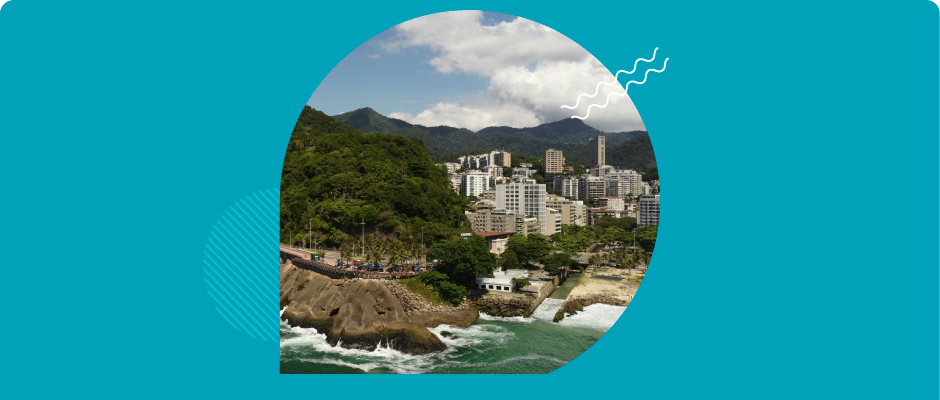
<point>797,143</point>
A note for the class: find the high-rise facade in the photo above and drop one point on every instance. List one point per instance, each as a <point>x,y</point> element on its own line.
<point>649,210</point>
<point>566,186</point>
<point>501,158</point>
<point>554,162</point>
<point>523,197</point>
<point>591,187</point>
<point>473,184</point>
<point>597,150</point>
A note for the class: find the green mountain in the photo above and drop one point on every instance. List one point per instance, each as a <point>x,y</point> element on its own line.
<point>569,135</point>
<point>635,154</point>
<point>334,177</point>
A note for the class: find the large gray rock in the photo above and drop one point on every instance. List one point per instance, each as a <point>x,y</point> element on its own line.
<point>363,313</point>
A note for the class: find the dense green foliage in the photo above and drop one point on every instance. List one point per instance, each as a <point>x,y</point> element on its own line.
<point>568,135</point>
<point>614,234</point>
<point>335,177</point>
<point>624,223</point>
<point>646,237</point>
<point>509,260</point>
<point>557,262</point>
<point>636,154</point>
<point>462,260</point>
<point>573,238</point>
<point>446,290</point>
<point>528,249</point>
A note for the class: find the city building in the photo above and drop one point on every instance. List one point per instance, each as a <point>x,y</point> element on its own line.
<point>613,203</point>
<point>602,170</point>
<point>496,241</point>
<point>597,151</point>
<point>566,186</point>
<point>455,180</point>
<point>451,167</point>
<point>649,210</point>
<point>525,197</point>
<point>501,158</point>
<point>591,187</point>
<point>474,183</point>
<point>553,221</point>
<point>623,183</point>
<point>572,211</point>
<point>495,171</point>
<point>598,212</point>
<point>526,172</point>
<point>500,280</point>
<point>554,162</point>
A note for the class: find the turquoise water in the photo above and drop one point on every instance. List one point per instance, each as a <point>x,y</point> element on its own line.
<point>493,345</point>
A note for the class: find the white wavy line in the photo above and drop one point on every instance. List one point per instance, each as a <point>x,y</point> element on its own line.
<point>598,88</point>
<point>627,87</point>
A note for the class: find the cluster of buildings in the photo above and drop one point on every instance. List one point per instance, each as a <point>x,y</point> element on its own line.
<point>518,204</point>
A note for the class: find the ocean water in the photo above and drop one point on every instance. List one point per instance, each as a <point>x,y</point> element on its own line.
<point>493,345</point>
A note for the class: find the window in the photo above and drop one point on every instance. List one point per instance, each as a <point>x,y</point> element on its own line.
<point>499,287</point>
<point>491,286</point>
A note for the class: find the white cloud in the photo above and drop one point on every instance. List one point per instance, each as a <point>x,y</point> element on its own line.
<point>474,117</point>
<point>533,71</point>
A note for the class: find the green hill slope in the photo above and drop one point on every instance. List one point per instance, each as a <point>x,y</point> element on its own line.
<point>338,177</point>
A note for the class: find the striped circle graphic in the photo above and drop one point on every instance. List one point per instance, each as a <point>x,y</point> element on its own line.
<point>241,265</point>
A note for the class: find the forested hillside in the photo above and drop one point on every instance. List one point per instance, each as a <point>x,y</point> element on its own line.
<point>568,135</point>
<point>334,177</point>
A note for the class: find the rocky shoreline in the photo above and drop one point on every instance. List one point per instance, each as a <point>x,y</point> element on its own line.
<point>366,313</point>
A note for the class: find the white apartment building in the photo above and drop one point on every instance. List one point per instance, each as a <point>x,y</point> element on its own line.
<point>519,171</point>
<point>623,183</point>
<point>566,186</point>
<point>613,203</point>
<point>474,183</point>
<point>523,196</point>
<point>495,171</point>
<point>602,170</point>
<point>455,181</point>
<point>649,211</point>
<point>554,221</point>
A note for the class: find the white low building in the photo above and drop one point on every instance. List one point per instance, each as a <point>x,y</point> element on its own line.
<point>500,280</point>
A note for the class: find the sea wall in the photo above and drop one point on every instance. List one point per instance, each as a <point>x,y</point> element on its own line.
<point>512,305</point>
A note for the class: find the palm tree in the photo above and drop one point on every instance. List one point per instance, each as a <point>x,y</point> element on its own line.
<point>594,260</point>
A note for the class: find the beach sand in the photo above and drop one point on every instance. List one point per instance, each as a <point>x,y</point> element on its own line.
<point>592,283</point>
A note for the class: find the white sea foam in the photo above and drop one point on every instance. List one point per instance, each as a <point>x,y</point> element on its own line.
<point>546,311</point>
<point>595,316</point>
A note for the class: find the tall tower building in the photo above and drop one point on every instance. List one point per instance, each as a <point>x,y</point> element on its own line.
<point>554,162</point>
<point>597,150</point>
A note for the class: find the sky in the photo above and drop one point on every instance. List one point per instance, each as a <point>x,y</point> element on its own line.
<point>474,69</point>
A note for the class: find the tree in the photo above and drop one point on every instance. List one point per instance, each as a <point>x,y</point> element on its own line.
<point>594,260</point>
<point>646,237</point>
<point>521,282</point>
<point>517,245</point>
<point>509,260</point>
<point>537,246</point>
<point>446,290</point>
<point>557,262</point>
<point>463,259</point>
